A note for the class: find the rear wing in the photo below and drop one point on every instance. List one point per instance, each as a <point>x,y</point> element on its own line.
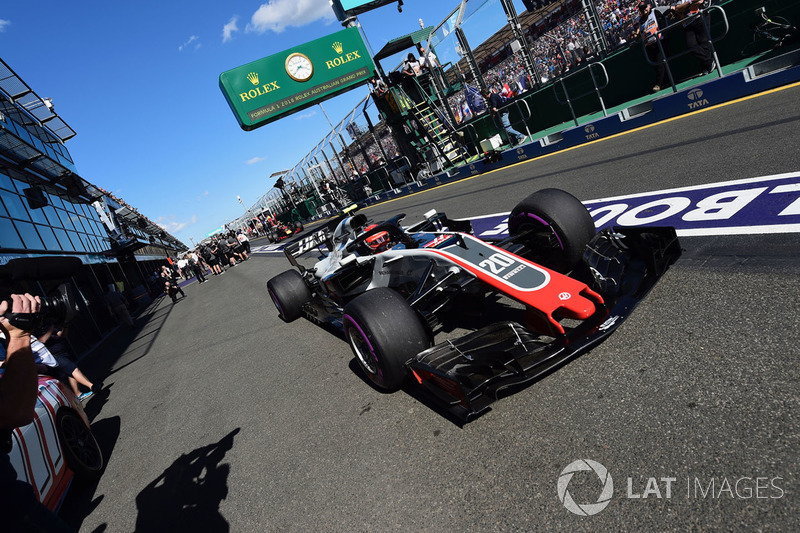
<point>306,244</point>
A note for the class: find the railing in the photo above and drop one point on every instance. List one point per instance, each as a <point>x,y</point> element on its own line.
<point>665,59</point>
<point>400,168</point>
<point>441,117</point>
<point>596,88</point>
<point>474,139</point>
<point>524,120</point>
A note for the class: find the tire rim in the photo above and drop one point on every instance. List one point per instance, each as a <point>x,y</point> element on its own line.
<point>363,349</point>
<point>79,439</point>
<point>529,219</point>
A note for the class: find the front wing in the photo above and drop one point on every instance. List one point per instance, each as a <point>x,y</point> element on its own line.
<point>467,374</point>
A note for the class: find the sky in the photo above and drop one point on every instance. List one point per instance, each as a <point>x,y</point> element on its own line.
<point>138,82</point>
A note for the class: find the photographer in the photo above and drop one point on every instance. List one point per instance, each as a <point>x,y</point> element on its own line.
<point>18,393</point>
<point>18,388</point>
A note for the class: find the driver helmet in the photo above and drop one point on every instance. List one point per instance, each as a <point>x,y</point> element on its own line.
<point>379,242</point>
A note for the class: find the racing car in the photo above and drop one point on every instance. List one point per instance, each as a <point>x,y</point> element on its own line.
<point>467,319</point>
<point>281,231</point>
<point>57,447</point>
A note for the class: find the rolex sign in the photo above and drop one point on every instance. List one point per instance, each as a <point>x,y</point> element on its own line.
<point>281,84</point>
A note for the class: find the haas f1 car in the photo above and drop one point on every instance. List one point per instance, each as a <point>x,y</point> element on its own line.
<point>504,311</point>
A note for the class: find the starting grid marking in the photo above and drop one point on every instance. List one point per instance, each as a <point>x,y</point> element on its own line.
<point>751,206</point>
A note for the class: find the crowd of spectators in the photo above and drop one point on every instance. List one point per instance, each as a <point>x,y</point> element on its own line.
<point>560,43</point>
<point>563,42</point>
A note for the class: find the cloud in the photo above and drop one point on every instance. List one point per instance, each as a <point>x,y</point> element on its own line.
<point>229,29</point>
<point>192,39</point>
<point>255,160</point>
<point>3,24</point>
<point>172,226</point>
<point>306,115</point>
<point>277,15</point>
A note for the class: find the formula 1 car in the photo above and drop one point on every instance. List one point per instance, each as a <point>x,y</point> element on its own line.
<point>281,231</point>
<point>504,312</point>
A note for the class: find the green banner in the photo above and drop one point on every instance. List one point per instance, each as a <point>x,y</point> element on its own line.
<point>281,84</point>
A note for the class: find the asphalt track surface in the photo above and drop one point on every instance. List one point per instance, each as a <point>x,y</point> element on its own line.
<point>218,416</point>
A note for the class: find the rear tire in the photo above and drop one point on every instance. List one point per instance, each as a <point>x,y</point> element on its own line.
<point>384,332</point>
<point>81,450</point>
<point>289,293</point>
<point>565,215</point>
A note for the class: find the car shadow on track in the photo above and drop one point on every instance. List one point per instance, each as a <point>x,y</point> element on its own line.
<point>187,496</point>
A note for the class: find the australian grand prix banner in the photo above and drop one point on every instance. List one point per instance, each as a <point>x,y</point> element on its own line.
<point>273,87</point>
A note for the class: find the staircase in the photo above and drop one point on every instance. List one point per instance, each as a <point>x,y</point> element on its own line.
<point>441,146</point>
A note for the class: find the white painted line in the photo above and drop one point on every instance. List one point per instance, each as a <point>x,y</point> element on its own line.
<point>741,230</point>
<point>697,187</point>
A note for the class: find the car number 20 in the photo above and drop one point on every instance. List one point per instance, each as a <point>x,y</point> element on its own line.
<point>496,263</point>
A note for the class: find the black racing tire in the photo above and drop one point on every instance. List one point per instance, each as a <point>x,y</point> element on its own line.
<point>272,236</point>
<point>289,292</point>
<point>568,218</point>
<point>298,227</point>
<point>384,332</point>
<point>81,451</point>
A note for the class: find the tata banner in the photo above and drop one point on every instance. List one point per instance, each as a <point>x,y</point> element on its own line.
<point>281,84</point>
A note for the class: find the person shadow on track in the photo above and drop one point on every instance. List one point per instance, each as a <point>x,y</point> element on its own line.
<point>187,496</point>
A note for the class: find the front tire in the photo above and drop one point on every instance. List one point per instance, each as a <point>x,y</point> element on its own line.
<point>289,293</point>
<point>384,332</point>
<point>81,450</point>
<point>560,225</point>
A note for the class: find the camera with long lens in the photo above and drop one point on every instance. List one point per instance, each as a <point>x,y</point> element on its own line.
<point>60,307</point>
